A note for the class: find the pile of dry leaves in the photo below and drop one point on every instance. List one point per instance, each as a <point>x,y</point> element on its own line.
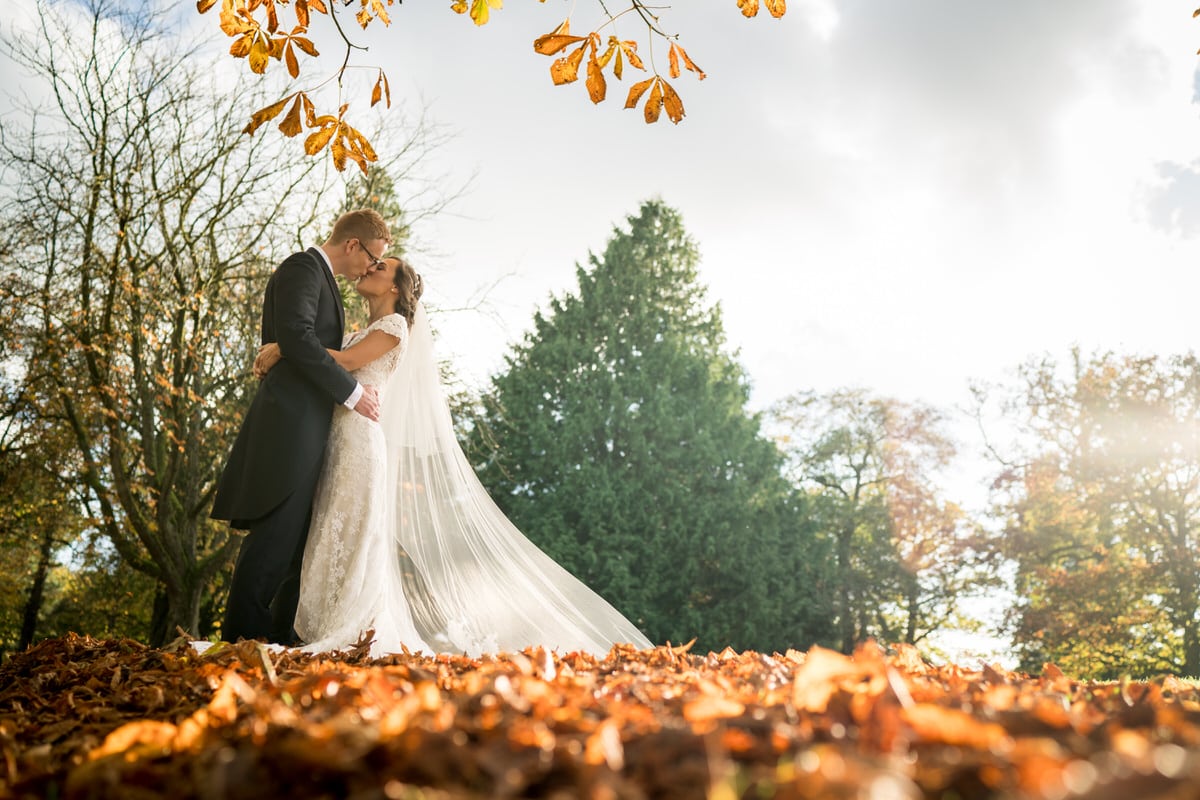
<point>86,718</point>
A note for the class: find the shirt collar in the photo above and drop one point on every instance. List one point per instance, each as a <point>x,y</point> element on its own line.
<point>325,258</point>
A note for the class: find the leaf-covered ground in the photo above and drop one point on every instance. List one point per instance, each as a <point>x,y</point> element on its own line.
<point>86,718</point>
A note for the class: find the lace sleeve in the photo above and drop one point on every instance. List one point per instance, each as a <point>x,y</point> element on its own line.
<point>394,325</point>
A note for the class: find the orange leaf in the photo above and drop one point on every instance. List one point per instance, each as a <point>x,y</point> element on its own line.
<point>654,103</point>
<point>550,43</point>
<point>672,103</point>
<point>480,9</point>
<point>636,91</point>
<point>777,7</point>
<point>711,706</point>
<point>595,80</point>
<point>316,142</point>
<point>302,13</point>
<point>289,54</point>
<point>310,112</point>
<point>260,53</point>
<point>377,89</point>
<point>688,63</point>
<point>613,47</point>
<point>338,151</point>
<point>205,5</point>
<point>381,12</point>
<point>566,69</point>
<point>629,48</point>
<point>241,46</point>
<point>305,44</point>
<point>264,114</point>
<point>290,126</point>
<point>233,24</point>
<point>934,723</point>
<point>749,7</point>
<point>673,61</point>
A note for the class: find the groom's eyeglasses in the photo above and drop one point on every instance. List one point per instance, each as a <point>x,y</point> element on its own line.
<point>376,261</point>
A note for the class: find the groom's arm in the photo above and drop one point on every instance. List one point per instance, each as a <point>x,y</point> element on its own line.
<point>298,287</point>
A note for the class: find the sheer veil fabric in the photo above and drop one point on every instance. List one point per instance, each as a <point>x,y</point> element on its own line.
<point>473,582</point>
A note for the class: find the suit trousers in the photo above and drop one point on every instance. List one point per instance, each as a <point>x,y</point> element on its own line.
<point>265,589</point>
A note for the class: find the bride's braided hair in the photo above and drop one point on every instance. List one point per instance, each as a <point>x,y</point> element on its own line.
<point>409,287</point>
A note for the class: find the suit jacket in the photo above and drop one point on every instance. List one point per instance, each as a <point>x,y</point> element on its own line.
<point>282,438</point>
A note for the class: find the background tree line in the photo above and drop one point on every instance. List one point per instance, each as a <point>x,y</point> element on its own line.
<point>617,435</point>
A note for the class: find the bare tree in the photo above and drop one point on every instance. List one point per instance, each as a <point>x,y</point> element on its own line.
<point>137,238</point>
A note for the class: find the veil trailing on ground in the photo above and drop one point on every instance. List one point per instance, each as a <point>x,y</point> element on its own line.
<point>473,582</point>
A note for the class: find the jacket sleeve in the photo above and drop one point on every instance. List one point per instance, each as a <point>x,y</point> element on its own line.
<point>297,301</point>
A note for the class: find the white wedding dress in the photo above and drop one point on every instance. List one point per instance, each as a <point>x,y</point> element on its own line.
<point>405,540</point>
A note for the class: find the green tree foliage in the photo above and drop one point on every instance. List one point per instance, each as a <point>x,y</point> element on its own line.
<point>618,440</point>
<point>900,553</point>
<point>1100,507</point>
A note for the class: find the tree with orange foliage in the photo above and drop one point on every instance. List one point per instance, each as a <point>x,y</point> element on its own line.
<point>1100,501</point>
<point>260,36</point>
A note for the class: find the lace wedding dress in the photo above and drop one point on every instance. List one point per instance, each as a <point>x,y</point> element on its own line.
<point>350,581</point>
<point>406,540</point>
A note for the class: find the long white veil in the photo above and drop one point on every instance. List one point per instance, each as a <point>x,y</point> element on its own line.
<point>474,583</point>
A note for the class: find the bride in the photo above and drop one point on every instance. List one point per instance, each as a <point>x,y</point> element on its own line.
<point>404,539</point>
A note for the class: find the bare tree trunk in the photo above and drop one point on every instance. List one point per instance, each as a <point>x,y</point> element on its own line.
<point>37,591</point>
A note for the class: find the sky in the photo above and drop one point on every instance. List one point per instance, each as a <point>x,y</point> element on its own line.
<point>904,197</point>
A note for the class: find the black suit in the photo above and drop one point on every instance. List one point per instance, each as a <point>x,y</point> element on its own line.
<point>268,482</point>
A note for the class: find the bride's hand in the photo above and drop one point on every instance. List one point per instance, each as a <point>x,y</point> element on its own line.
<point>268,356</point>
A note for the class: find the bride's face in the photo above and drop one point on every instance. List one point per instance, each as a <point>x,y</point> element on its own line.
<point>379,280</point>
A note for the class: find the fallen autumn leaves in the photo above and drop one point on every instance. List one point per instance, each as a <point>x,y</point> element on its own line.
<point>81,718</point>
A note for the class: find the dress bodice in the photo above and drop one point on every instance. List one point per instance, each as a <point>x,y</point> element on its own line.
<point>377,372</point>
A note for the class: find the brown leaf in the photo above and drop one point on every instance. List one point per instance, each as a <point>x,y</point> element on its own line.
<point>204,5</point>
<point>264,115</point>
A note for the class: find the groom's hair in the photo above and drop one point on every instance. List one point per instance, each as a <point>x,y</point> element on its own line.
<point>365,224</point>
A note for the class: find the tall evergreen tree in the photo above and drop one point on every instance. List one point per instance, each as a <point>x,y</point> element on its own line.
<point>618,440</point>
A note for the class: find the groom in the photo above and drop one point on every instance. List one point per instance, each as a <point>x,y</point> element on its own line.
<point>268,482</point>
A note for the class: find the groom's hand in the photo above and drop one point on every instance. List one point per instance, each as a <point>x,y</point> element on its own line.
<point>368,404</point>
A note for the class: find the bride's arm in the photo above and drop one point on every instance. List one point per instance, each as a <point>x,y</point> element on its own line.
<point>372,346</point>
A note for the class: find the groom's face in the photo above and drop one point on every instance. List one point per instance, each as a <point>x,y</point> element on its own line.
<point>366,256</point>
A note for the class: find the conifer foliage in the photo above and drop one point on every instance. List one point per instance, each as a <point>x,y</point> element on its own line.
<point>618,440</point>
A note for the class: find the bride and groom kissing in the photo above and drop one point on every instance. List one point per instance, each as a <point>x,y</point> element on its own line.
<point>362,512</point>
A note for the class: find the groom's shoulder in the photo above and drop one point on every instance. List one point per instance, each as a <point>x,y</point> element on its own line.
<point>301,259</point>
